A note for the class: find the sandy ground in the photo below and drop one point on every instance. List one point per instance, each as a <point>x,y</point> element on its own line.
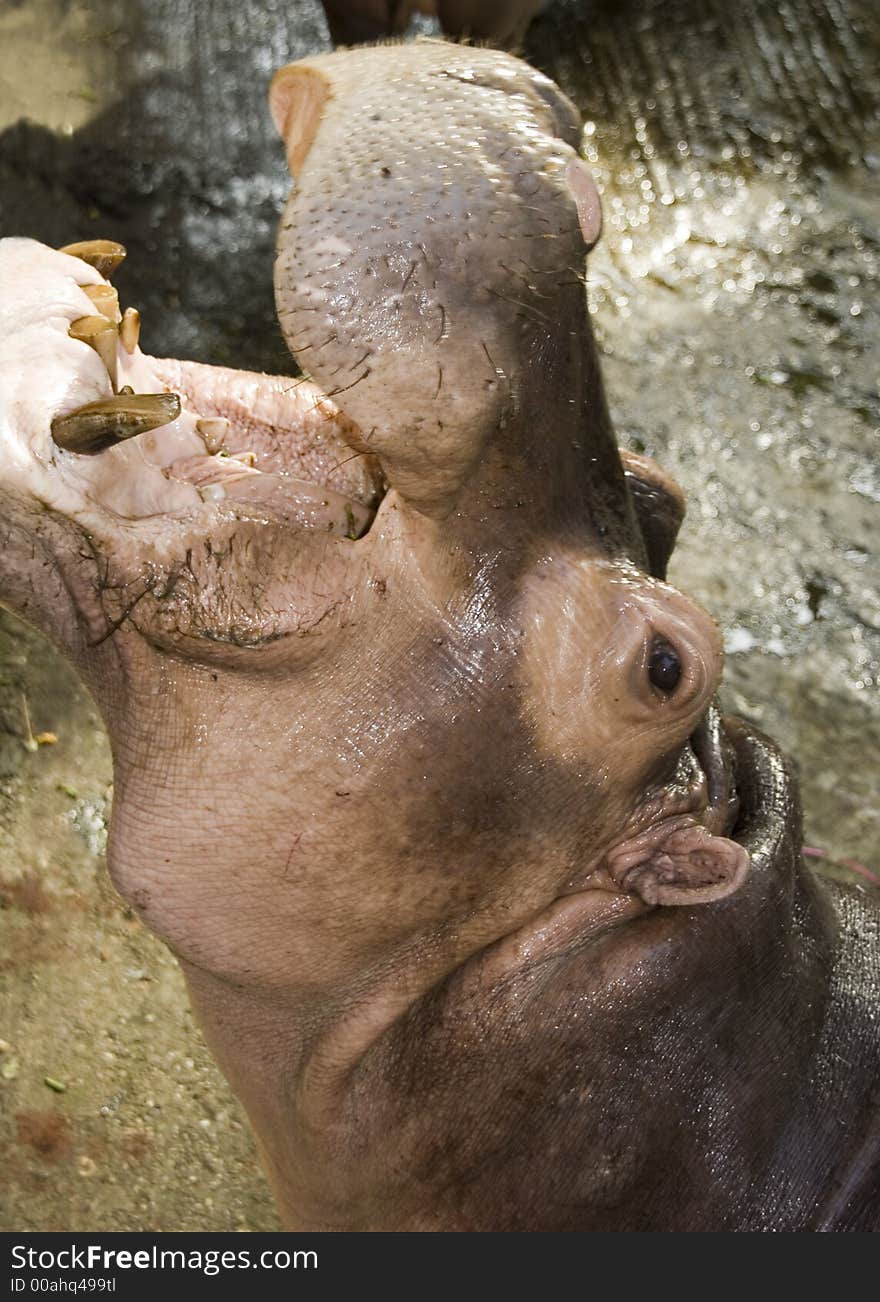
<point>112,1114</point>
<point>733,294</point>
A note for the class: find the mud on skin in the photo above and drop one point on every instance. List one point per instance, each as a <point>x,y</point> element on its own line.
<point>468,880</point>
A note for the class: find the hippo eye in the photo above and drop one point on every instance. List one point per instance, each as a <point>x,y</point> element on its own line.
<point>664,666</point>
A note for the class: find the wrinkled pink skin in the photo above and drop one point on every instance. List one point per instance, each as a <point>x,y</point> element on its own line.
<point>405,807</point>
<point>499,22</point>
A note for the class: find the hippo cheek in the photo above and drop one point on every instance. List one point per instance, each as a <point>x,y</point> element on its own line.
<point>431,252</point>
<point>620,670</point>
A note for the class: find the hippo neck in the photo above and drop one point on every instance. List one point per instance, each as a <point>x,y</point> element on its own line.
<point>547,1098</point>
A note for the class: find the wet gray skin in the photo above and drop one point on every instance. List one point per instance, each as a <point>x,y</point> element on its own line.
<point>683,341</point>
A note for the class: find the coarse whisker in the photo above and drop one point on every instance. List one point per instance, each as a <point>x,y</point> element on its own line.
<point>516,275</point>
<point>345,388</point>
<point>525,307</point>
<point>542,217</point>
<point>345,460</point>
<point>442,333</point>
<point>497,372</point>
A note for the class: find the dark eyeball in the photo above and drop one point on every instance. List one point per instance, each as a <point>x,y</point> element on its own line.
<point>664,666</point>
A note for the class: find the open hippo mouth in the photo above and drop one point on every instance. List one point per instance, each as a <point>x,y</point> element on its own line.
<point>273,444</point>
<point>155,459</point>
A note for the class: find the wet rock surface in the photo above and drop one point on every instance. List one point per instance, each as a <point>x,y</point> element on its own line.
<point>732,294</point>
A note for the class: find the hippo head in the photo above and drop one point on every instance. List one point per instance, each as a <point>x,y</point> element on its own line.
<point>386,675</point>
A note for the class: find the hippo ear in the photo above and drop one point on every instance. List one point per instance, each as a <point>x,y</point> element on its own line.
<point>689,865</point>
<point>586,197</point>
<point>297,97</point>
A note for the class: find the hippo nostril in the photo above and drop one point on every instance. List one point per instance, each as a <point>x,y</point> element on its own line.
<point>664,666</point>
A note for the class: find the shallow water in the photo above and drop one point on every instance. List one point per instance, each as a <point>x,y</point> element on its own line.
<point>733,294</point>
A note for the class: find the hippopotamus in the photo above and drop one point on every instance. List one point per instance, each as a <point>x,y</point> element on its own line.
<point>500,22</point>
<point>491,918</point>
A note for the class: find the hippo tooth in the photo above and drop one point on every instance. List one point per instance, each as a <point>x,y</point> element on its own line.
<point>100,425</point>
<point>213,430</point>
<point>130,329</point>
<point>101,335</point>
<point>106,300</point>
<point>104,255</point>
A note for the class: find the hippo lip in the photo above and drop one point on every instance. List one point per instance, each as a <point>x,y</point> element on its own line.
<point>269,441</point>
<point>708,797</point>
<point>713,753</point>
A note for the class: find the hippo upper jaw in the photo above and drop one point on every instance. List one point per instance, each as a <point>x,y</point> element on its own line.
<point>432,285</point>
